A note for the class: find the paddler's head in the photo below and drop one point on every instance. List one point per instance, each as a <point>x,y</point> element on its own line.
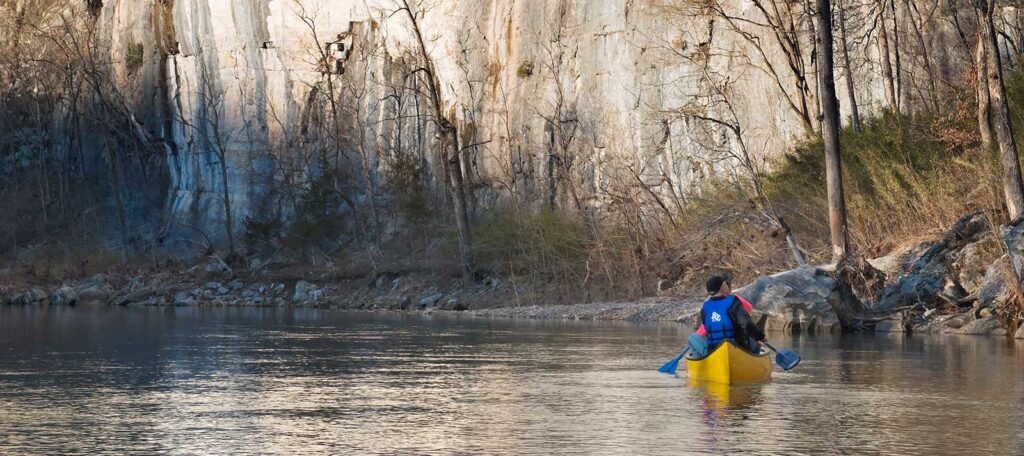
<point>719,286</point>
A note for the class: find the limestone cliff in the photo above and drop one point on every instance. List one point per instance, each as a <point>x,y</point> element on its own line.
<point>607,91</point>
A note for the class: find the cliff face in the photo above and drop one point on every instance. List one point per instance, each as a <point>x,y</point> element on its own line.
<point>607,91</point>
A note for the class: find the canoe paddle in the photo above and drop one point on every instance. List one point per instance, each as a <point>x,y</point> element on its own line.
<point>786,359</point>
<point>699,346</point>
<point>671,366</point>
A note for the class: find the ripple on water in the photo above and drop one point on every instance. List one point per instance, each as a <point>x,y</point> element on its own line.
<point>248,381</point>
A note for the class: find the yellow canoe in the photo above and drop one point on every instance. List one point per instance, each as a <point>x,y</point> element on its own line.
<point>729,363</point>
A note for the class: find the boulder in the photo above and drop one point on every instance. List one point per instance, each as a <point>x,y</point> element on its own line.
<point>894,264</point>
<point>184,299</point>
<point>971,263</point>
<point>250,294</point>
<point>983,326</point>
<point>1020,333</point>
<point>922,283</point>
<point>430,300</point>
<point>64,296</point>
<point>801,300</point>
<point>305,293</point>
<point>1013,236</point>
<point>35,295</point>
<point>317,294</point>
<point>302,289</point>
<point>927,269</point>
<point>994,290</point>
<point>93,295</point>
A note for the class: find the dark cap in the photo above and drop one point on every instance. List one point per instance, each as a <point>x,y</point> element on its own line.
<point>715,283</point>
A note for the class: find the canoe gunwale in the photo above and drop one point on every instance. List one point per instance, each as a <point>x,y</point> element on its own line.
<point>720,346</point>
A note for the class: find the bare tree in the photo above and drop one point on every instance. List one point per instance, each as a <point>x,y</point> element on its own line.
<point>449,138</point>
<point>560,119</point>
<point>845,46</point>
<point>1013,187</point>
<point>981,77</point>
<point>214,137</point>
<point>712,106</point>
<point>888,80</point>
<point>830,134</point>
<point>780,19</point>
<point>916,21</point>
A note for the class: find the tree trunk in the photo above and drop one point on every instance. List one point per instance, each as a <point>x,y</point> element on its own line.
<point>981,87</point>
<point>814,63</point>
<point>902,88</point>
<point>229,221</point>
<point>449,136</point>
<point>925,55</point>
<point>551,173</point>
<point>830,133</point>
<point>118,187</point>
<point>450,141</point>
<point>1013,188</point>
<point>850,91</point>
<point>886,62</point>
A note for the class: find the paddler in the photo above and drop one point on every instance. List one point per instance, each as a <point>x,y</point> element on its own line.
<point>726,316</point>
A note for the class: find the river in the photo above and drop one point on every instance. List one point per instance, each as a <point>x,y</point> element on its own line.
<point>249,381</point>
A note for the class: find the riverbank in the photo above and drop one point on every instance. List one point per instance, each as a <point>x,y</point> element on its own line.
<point>956,283</point>
<point>213,285</point>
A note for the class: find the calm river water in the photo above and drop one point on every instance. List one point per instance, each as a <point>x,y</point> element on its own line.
<point>219,381</point>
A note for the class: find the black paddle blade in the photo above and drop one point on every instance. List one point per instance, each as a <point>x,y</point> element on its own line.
<point>787,359</point>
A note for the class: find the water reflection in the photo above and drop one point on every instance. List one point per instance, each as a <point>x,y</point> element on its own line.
<point>246,381</point>
<point>723,397</point>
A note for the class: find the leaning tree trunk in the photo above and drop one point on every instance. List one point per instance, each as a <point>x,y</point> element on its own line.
<point>830,133</point>
<point>1013,188</point>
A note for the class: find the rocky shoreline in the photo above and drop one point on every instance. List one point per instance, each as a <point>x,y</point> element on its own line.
<point>957,283</point>
<point>103,291</point>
